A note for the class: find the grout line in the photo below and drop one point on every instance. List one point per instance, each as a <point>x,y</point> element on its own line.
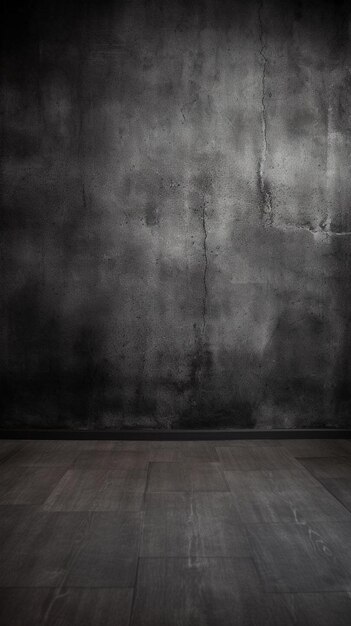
<point>134,592</point>
<point>319,481</point>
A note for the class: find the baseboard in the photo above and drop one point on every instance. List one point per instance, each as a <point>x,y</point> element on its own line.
<point>178,435</point>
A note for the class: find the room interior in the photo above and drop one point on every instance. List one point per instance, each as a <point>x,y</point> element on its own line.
<point>175,313</point>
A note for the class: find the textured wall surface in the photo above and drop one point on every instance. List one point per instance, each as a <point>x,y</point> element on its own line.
<point>175,221</point>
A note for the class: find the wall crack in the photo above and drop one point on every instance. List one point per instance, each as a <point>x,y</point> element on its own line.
<point>205,269</point>
<point>267,205</point>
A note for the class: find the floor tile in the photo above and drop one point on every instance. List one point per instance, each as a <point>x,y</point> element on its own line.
<point>76,491</point>
<point>197,591</point>
<point>186,477</point>
<point>255,458</point>
<point>328,467</point>
<point>112,459</point>
<point>306,557</point>
<point>192,524</point>
<point>24,607</point>
<point>121,490</point>
<point>46,453</point>
<point>39,547</point>
<point>310,609</point>
<point>282,496</point>
<point>109,553</point>
<point>90,607</point>
<point>28,485</point>
<point>300,448</point>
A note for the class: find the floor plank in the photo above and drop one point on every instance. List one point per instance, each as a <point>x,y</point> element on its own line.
<point>46,453</point>
<point>65,607</point>
<point>112,459</point>
<point>75,549</point>
<point>199,451</point>
<point>334,474</point>
<point>255,458</point>
<point>39,547</point>
<point>8,448</point>
<point>199,591</point>
<point>165,451</point>
<point>90,607</point>
<point>257,443</point>
<point>346,446</point>
<point>24,607</point>
<point>76,491</point>
<point>109,554</point>
<point>328,467</point>
<point>121,490</point>
<point>186,477</point>
<point>282,496</point>
<point>27,485</point>
<point>98,490</point>
<point>192,524</point>
<point>306,557</point>
<point>300,448</point>
<point>157,451</point>
<point>340,488</point>
<point>310,609</point>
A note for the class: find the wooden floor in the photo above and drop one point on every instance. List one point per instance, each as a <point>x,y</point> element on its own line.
<point>186,533</point>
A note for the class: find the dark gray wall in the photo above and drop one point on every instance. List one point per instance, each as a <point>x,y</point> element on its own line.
<point>175,223</point>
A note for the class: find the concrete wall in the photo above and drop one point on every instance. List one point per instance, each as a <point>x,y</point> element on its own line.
<point>175,224</point>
